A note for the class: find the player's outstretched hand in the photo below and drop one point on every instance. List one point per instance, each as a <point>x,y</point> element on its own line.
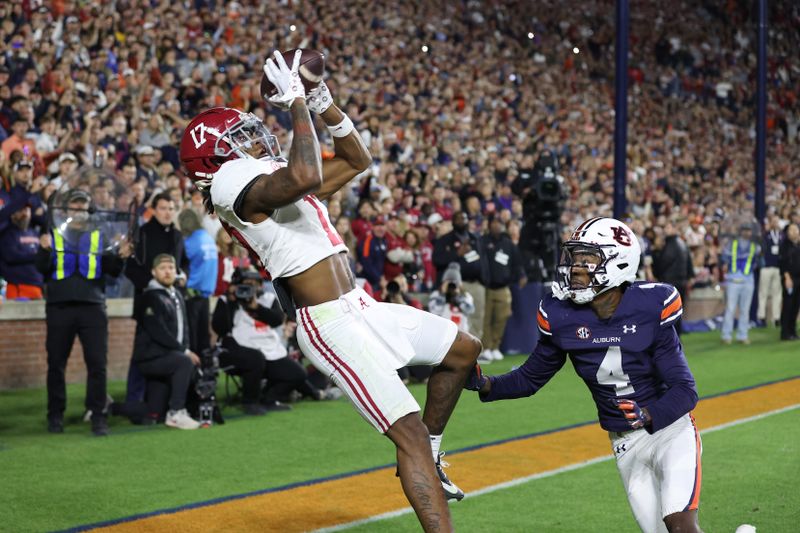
<point>635,416</point>
<point>286,80</point>
<point>319,99</point>
<point>476,380</point>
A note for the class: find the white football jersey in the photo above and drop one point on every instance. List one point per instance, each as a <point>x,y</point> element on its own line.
<point>293,239</point>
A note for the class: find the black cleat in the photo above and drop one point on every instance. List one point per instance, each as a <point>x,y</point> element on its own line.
<point>99,426</point>
<point>55,425</point>
<point>451,491</point>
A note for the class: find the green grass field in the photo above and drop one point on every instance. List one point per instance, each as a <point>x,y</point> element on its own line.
<point>51,482</point>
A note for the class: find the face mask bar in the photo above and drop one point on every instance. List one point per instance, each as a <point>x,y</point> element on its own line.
<point>567,263</point>
<point>245,135</point>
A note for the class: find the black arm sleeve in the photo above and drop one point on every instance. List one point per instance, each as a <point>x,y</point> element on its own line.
<point>273,316</point>
<point>44,261</point>
<point>111,264</point>
<point>221,321</point>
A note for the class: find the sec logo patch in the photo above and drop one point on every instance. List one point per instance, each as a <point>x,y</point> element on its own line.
<point>583,332</point>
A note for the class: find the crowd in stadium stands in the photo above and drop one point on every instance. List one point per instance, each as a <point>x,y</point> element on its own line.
<point>455,101</point>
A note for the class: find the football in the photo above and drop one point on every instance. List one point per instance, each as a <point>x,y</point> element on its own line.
<point>312,67</point>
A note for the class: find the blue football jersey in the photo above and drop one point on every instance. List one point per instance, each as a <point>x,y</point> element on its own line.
<point>635,355</point>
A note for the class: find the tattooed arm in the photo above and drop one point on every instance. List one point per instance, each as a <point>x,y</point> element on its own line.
<point>303,174</point>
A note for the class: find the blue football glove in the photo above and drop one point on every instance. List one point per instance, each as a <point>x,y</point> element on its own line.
<point>476,380</point>
<point>634,415</point>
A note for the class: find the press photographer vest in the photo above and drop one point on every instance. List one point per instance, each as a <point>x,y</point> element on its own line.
<point>85,257</point>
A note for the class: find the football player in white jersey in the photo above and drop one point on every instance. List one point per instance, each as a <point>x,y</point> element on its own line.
<point>274,207</point>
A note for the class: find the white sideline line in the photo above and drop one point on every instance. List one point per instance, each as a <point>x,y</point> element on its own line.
<point>540,475</point>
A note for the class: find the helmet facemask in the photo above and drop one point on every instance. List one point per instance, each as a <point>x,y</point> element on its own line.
<point>563,287</point>
<point>248,133</point>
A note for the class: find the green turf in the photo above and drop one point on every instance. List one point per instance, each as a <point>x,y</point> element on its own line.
<point>58,481</point>
<point>748,479</point>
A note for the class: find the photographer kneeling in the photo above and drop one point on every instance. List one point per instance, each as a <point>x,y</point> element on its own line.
<point>247,320</point>
<point>451,301</point>
<point>160,348</point>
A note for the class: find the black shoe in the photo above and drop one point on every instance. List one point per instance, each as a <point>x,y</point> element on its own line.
<point>276,406</point>
<point>451,491</point>
<point>254,409</point>
<point>99,426</point>
<point>55,425</point>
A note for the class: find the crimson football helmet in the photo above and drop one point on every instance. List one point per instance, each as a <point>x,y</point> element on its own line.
<point>222,134</point>
<point>618,250</point>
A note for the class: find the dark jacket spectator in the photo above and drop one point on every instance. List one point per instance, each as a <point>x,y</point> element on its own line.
<point>157,236</point>
<point>505,261</point>
<point>463,247</point>
<point>372,253</point>
<point>161,346</point>
<point>18,250</point>
<point>790,278</point>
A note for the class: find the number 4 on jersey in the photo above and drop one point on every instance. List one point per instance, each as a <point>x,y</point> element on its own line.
<point>610,372</point>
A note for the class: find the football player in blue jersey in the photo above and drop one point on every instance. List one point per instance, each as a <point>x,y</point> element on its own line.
<point>619,335</point>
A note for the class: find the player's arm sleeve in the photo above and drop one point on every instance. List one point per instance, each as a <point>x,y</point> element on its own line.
<point>535,372</point>
<point>681,395</point>
<point>672,308</point>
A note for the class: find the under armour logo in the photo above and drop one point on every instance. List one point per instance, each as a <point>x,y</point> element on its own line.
<point>629,329</point>
<point>364,304</point>
<point>619,448</point>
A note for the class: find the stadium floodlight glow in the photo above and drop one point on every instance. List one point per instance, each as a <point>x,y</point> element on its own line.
<point>531,35</point>
<point>292,27</point>
<point>575,50</point>
<point>425,48</point>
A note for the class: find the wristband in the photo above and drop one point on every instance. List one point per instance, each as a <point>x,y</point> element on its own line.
<point>342,129</point>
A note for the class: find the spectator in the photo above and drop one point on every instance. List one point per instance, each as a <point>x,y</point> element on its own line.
<point>68,259</point>
<point>465,248</point>
<point>372,253</point>
<point>451,301</point>
<point>505,269</point>
<point>161,346</point>
<point>18,249</point>
<point>790,274</point>
<point>19,140</point>
<point>672,263</point>
<point>146,169</point>
<point>201,250</point>
<point>398,253</point>
<point>769,277</point>
<point>67,165</point>
<point>157,236</point>
<point>740,259</point>
<point>230,257</point>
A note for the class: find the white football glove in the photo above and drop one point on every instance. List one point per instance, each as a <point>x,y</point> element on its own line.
<point>286,80</point>
<point>319,99</point>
